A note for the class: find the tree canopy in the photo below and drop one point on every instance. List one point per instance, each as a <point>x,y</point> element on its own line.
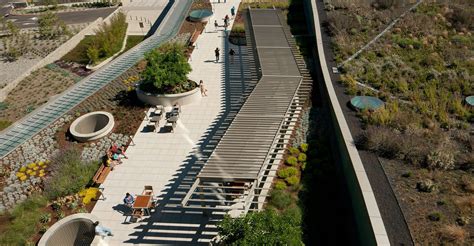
<point>108,38</point>
<point>263,228</point>
<point>167,67</point>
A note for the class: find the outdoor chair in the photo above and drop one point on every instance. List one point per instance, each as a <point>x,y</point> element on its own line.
<point>148,190</point>
<point>146,115</point>
<point>159,109</point>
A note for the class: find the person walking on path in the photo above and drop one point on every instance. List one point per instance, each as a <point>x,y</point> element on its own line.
<point>217,53</point>
<point>226,22</point>
<point>231,54</point>
<point>203,89</point>
<point>232,12</point>
<point>216,25</point>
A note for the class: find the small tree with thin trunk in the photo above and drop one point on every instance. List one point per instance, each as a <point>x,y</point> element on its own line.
<point>167,68</point>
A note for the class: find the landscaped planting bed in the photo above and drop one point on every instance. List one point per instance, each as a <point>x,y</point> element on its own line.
<point>49,195</point>
<point>35,90</point>
<point>422,68</point>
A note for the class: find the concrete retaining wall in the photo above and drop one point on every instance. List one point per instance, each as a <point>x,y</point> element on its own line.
<point>370,226</point>
<point>170,99</point>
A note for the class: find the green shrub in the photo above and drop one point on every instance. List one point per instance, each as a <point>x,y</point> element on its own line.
<point>3,105</point>
<point>302,157</point>
<point>70,174</point>
<point>304,147</point>
<point>43,229</point>
<point>238,28</point>
<point>287,172</point>
<point>45,218</point>
<point>108,39</point>
<point>280,185</point>
<point>291,160</point>
<point>294,151</point>
<point>4,124</point>
<point>441,159</point>
<point>435,216</point>
<point>60,215</point>
<point>407,174</point>
<point>262,228</point>
<point>303,165</point>
<point>280,199</point>
<point>166,68</point>
<point>293,180</point>
<point>23,216</point>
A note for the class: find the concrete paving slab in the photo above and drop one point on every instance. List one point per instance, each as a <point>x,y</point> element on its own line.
<point>167,161</point>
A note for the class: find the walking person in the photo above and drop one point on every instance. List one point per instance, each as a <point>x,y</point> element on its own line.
<point>232,12</point>
<point>231,54</point>
<point>216,25</point>
<point>226,22</point>
<point>217,53</point>
<point>203,89</point>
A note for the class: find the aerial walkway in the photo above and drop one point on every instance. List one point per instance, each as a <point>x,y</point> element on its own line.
<point>238,174</point>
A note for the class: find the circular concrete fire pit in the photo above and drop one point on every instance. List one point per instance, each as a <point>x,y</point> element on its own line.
<point>77,229</point>
<point>92,126</point>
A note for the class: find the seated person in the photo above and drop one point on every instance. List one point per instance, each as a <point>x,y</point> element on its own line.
<point>128,200</point>
<point>101,230</point>
<point>121,152</point>
<point>117,158</point>
<point>114,148</point>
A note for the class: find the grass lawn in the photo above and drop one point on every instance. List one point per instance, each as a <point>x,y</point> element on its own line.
<point>133,40</point>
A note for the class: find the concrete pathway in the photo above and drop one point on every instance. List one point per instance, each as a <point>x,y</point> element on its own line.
<point>145,12</point>
<point>170,161</point>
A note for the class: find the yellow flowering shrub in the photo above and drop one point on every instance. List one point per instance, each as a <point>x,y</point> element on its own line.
<point>32,169</point>
<point>88,194</point>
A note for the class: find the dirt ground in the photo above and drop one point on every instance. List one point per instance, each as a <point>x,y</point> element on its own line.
<point>453,200</point>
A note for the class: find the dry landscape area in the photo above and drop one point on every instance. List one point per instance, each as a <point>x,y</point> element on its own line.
<point>423,69</point>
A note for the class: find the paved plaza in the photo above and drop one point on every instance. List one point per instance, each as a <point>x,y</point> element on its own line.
<point>170,161</point>
<point>145,12</point>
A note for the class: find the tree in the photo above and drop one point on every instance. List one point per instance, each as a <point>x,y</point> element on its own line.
<point>14,30</point>
<point>93,54</point>
<point>166,67</point>
<point>263,228</point>
<point>50,25</point>
<point>108,37</point>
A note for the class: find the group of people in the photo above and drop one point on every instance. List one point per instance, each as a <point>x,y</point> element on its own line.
<point>115,155</point>
<point>217,53</point>
<point>226,19</point>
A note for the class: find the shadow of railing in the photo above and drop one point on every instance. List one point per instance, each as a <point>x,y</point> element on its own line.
<point>171,223</point>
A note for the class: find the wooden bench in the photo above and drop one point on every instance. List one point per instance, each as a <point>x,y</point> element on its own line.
<point>101,174</point>
<point>194,37</point>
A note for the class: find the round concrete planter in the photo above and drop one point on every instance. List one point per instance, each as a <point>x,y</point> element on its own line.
<point>92,126</point>
<point>200,15</point>
<point>169,99</point>
<point>76,229</point>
